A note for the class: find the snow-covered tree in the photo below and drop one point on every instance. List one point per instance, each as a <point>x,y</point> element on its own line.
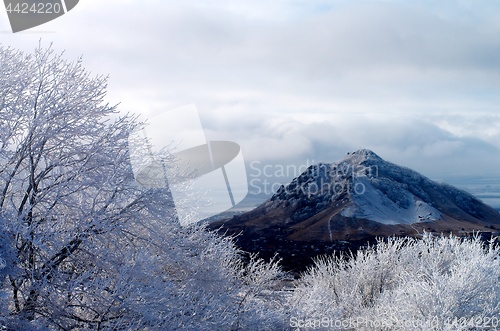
<point>84,246</point>
<point>63,180</point>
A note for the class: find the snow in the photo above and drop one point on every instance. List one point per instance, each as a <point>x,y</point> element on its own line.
<point>374,205</point>
<point>371,188</point>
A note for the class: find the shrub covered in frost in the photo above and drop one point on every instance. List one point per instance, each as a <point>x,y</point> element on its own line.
<point>444,283</point>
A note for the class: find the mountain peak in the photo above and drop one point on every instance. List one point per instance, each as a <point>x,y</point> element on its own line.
<point>362,155</point>
<point>354,200</point>
<point>363,196</point>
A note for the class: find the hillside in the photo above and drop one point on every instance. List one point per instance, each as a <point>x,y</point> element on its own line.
<point>346,203</point>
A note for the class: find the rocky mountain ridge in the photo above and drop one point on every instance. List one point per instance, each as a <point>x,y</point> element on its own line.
<point>357,199</point>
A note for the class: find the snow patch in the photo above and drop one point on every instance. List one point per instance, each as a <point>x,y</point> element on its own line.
<point>374,205</point>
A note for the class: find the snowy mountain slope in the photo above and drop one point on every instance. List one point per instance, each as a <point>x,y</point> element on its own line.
<point>374,205</point>
<point>363,196</point>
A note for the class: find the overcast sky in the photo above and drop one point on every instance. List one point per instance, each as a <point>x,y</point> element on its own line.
<point>418,82</point>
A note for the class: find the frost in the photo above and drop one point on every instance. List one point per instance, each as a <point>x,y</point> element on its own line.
<point>84,247</point>
<point>404,284</point>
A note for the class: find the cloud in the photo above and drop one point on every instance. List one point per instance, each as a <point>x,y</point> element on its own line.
<point>412,141</point>
<point>297,80</point>
<point>362,56</point>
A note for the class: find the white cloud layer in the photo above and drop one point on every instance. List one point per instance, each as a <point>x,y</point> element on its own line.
<point>292,81</point>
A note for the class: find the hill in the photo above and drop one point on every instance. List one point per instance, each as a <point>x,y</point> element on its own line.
<point>345,204</point>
